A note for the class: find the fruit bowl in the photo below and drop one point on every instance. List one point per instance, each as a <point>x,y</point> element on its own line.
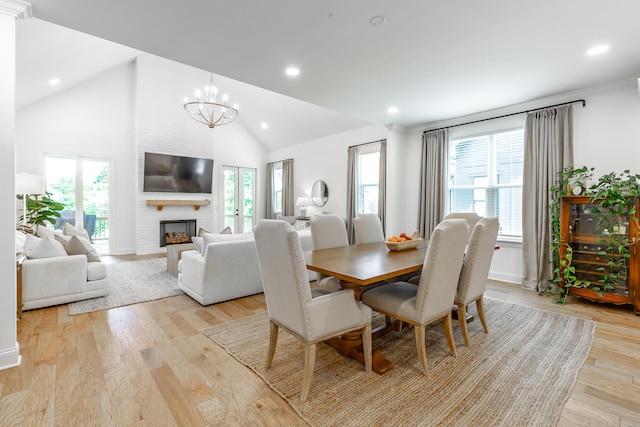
<point>403,246</point>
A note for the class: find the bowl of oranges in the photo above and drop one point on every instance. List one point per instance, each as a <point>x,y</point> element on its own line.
<point>402,242</point>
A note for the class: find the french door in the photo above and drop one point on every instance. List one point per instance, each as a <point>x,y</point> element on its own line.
<point>82,185</point>
<point>239,198</point>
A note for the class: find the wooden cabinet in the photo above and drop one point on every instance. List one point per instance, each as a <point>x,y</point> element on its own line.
<point>603,250</point>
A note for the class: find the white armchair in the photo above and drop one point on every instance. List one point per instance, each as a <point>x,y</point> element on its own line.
<point>432,299</point>
<point>290,303</point>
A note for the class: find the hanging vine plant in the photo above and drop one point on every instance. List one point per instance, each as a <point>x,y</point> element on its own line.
<point>614,200</point>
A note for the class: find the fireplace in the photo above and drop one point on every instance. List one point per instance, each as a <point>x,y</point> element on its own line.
<point>177,231</point>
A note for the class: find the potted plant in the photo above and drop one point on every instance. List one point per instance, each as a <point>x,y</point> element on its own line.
<point>41,209</point>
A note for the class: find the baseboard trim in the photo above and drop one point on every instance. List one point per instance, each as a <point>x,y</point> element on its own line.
<point>10,357</point>
<point>505,278</point>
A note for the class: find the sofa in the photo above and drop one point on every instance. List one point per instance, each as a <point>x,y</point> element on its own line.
<point>225,267</point>
<point>58,269</point>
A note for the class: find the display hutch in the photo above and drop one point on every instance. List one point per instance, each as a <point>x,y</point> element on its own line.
<point>604,250</point>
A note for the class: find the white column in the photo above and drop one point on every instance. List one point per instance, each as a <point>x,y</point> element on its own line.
<point>10,10</point>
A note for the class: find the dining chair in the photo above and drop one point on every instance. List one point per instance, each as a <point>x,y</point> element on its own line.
<point>328,231</point>
<point>368,229</point>
<point>291,306</point>
<point>433,298</point>
<point>471,217</point>
<point>475,271</point>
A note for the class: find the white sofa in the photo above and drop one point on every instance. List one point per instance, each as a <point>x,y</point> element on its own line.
<point>60,279</point>
<point>227,268</point>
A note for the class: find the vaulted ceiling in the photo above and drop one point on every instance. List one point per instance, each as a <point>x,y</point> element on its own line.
<point>433,60</point>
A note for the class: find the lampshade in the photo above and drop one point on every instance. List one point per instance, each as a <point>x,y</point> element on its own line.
<point>303,201</point>
<point>29,183</point>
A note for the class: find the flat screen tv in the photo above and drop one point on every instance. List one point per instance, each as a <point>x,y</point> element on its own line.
<point>177,174</point>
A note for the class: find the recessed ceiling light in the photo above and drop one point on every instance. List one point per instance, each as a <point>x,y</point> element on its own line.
<point>292,71</point>
<point>54,81</point>
<point>392,110</point>
<point>263,125</point>
<point>597,50</point>
<point>377,20</point>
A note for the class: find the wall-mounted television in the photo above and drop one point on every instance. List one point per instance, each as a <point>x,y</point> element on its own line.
<point>177,174</point>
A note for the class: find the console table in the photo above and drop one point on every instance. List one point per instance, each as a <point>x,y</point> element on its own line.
<point>174,253</point>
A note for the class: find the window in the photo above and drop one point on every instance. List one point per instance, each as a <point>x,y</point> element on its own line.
<point>277,187</point>
<point>485,177</point>
<point>367,178</point>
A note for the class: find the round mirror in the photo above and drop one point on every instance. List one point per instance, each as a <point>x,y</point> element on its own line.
<point>319,193</point>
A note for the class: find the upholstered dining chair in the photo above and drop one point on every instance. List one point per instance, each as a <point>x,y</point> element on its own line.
<point>471,217</point>
<point>475,271</point>
<point>368,229</point>
<point>433,298</point>
<point>291,306</point>
<point>328,231</point>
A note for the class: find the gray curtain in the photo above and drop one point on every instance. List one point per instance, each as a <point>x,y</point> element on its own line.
<point>382,186</point>
<point>288,200</point>
<point>351,191</point>
<point>548,148</point>
<point>270,211</point>
<point>433,176</point>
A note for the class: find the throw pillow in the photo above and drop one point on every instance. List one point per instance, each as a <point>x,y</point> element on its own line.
<point>47,247</point>
<point>30,242</point>
<point>201,232</point>
<point>20,239</point>
<point>198,242</point>
<point>44,231</point>
<point>226,230</point>
<point>62,238</point>
<point>81,246</point>
<point>70,230</point>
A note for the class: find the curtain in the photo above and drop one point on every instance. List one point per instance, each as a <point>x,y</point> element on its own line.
<point>351,191</point>
<point>382,186</point>
<point>270,211</point>
<point>548,148</point>
<point>288,201</point>
<point>433,175</point>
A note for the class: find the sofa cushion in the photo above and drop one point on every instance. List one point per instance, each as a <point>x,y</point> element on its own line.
<point>81,246</point>
<point>214,238</point>
<point>96,271</point>
<point>47,247</point>
<point>70,230</point>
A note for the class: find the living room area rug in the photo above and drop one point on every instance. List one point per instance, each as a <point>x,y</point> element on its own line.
<point>520,374</point>
<point>132,282</point>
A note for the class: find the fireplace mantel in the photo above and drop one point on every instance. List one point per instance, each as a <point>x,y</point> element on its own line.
<point>159,204</point>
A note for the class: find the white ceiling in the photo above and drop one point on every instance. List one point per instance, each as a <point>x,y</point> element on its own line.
<point>434,60</point>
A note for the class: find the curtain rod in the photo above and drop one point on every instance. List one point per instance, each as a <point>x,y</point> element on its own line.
<point>278,161</point>
<point>367,143</point>
<point>584,103</point>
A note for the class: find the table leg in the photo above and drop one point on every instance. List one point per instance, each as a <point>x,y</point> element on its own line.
<point>351,344</point>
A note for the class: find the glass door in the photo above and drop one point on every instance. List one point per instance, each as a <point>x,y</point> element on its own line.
<point>82,185</point>
<point>239,198</point>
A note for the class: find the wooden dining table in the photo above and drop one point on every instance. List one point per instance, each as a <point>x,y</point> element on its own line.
<point>357,266</point>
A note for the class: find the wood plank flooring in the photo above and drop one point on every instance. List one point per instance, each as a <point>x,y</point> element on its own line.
<point>148,364</point>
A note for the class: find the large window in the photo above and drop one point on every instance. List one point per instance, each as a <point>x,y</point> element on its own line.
<point>277,188</point>
<point>485,177</point>
<point>367,178</point>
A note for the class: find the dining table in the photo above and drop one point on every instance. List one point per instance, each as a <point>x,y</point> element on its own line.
<point>357,266</point>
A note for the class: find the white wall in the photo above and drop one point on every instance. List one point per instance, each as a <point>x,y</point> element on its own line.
<point>120,114</point>
<point>162,126</point>
<point>94,118</point>
<point>605,134</point>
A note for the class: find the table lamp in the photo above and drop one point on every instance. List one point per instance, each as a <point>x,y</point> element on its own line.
<point>303,202</point>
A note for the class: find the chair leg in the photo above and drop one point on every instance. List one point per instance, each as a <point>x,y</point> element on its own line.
<point>448,332</point>
<point>273,340</point>
<point>367,347</point>
<point>309,362</point>
<point>462,319</point>
<point>480,307</point>
<point>421,348</point>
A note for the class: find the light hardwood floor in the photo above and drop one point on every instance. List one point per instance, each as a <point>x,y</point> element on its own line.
<point>148,364</point>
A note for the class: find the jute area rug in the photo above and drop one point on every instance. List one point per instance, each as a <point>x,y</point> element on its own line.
<point>520,374</point>
<point>130,283</point>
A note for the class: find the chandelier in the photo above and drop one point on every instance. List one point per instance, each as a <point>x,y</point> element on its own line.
<point>209,110</point>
